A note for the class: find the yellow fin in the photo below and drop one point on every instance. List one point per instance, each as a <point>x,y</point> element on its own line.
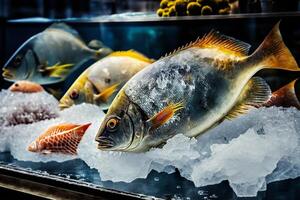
<point>273,53</point>
<point>105,94</point>
<point>216,40</point>
<point>58,70</point>
<point>164,115</point>
<point>254,94</point>
<point>133,54</point>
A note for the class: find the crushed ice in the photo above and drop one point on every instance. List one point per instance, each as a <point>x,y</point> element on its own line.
<point>25,108</point>
<point>250,151</point>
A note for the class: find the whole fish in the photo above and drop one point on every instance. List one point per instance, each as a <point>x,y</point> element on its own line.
<point>26,87</point>
<point>100,83</point>
<point>62,138</point>
<point>50,56</point>
<point>191,90</point>
<point>285,97</point>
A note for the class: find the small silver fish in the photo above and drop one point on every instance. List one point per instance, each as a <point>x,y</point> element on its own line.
<point>50,56</point>
<point>191,90</point>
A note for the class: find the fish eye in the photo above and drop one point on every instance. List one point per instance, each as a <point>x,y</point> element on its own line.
<point>107,80</point>
<point>16,84</point>
<point>17,60</point>
<point>112,123</point>
<point>74,94</point>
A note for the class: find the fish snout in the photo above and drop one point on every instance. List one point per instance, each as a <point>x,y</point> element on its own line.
<point>104,142</point>
<point>33,147</point>
<point>7,74</point>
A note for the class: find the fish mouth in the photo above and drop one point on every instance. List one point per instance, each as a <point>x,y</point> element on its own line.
<point>105,143</point>
<point>7,74</point>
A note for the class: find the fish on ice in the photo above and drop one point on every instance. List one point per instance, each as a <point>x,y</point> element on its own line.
<point>100,83</point>
<point>26,87</point>
<point>191,90</point>
<point>63,138</point>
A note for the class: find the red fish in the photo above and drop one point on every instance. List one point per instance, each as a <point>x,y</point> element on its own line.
<point>285,97</point>
<point>63,138</point>
<point>26,87</point>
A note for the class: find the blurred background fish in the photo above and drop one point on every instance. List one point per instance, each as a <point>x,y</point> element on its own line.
<point>50,56</point>
<point>100,83</point>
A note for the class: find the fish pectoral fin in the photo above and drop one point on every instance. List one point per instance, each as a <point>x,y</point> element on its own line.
<point>255,93</point>
<point>164,115</point>
<point>273,53</point>
<point>59,70</point>
<point>105,94</point>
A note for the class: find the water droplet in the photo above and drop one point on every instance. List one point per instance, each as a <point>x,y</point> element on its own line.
<point>178,186</point>
<point>213,196</point>
<point>202,193</point>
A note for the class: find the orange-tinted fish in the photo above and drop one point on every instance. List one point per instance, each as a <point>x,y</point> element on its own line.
<point>285,97</point>
<point>63,138</point>
<point>26,87</point>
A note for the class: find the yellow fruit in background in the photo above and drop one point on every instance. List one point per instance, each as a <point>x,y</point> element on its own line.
<point>180,7</point>
<point>164,4</point>
<point>194,8</point>
<point>206,10</point>
<point>172,11</point>
<point>160,12</point>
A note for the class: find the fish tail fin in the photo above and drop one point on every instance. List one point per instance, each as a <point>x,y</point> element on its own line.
<point>274,54</point>
<point>82,129</point>
<point>285,96</point>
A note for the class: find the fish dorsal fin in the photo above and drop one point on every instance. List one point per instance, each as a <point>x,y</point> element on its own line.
<point>254,94</point>
<point>58,128</point>
<point>216,40</point>
<point>133,54</point>
<point>64,27</point>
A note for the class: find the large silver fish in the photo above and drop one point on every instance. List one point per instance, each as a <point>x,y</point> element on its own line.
<point>191,90</point>
<point>50,56</point>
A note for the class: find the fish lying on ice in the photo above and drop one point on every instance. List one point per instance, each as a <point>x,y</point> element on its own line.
<point>50,56</point>
<point>191,90</point>
<point>62,138</point>
<point>285,96</point>
<point>100,83</point>
<point>26,87</point>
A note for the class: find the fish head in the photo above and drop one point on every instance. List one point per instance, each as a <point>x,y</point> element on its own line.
<point>77,93</point>
<point>20,65</point>
<point>123,126</point>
